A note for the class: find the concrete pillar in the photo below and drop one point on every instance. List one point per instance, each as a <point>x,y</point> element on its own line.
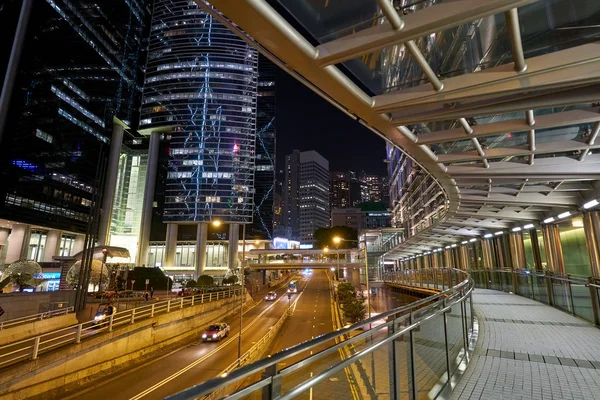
<point>4,236</point>
<point>52,247</point>
<point>79,243</point>
<point>18,243</point>
<point>591,225</point>
<point>447,258</point>
<point>110,182</point>
<point>535,247</point>
<point>201,237</point>
<point>234,235</point>
<point>463,253</point>
<point>553,249</point>
<point>517,250</point>
<point>171,244</point>
<point>146,221</point>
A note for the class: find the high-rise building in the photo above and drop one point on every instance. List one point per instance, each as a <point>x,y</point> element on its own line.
<point>306,195</point>
<point>65,105</point>
<point>264,176</point>
<point>200,94</point>
<point>374,188</point>
<point>345,190</point>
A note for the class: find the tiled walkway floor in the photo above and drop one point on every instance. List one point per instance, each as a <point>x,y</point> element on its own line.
<point>527,350</point>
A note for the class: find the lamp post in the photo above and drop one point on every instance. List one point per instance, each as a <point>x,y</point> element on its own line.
<point>104,256</point>
<point>337,240</point>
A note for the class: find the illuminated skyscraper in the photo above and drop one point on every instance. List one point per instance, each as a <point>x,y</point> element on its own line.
<point>200,93</point>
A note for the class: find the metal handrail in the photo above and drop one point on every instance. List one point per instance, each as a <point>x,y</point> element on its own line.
<point>34,317</point>
<point>464,287</point>
<point>31,347</point>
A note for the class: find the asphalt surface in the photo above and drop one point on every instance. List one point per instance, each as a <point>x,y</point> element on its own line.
<point>198,361</point>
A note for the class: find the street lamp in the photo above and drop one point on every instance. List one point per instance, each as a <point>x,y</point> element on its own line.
<point>216,223</point>
<point>337,240</point>
<point>104,255</point>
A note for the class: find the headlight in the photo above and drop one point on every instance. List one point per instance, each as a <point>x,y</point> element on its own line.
<point>214,335</point>
<point>267,298</point>
<point>204,336</point>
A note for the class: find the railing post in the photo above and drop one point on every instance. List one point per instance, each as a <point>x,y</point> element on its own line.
<point>169,306</point>
<point>36,347</point>
<point>273,390</point>
<point>532,288</point>
<point>515,281</point>
<point>132,315</point>
<point>570,297</point>
<point>445,315</point>
<point>594,299</point>
<point>412,373</point>
<point>486,276</point>
<point>78,335</point>
<point>181,306</point>
<point>193,297</point>
<point>152,311</point>
<point>202,298</point>
<point>550,289</point>
<point>110,322</point>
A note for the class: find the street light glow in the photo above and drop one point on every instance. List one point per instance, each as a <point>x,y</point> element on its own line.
<point>326,250</point>
<point>337,240</point>
<point>216,222</point>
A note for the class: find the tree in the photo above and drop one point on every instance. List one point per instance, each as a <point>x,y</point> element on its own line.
<point>97,266</point>
<point>190,284</point>
<point>324,237</point>
<point>355,310</point>
<point>233,279</point>
<point>156,278</point>
<point>346,293</point>
<point>205,280</point>
<point>24,273</point>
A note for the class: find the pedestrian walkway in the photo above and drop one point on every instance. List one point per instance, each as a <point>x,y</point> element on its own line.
<point>528,350</point>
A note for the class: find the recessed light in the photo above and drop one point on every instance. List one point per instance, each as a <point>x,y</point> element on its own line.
<point>517,229</point>
<point>564,215</point>
<point>548,220</point>
<point>590,204</point>
<point>488,235</point>
<point>528,226</point>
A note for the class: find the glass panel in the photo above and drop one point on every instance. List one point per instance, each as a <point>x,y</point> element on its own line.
<point>575,254</point>
<point>430,357</point>
<point>524,285</point>
<point>542,248</point>
<point>582,301</point>
<point>540,290</point>
<point>528,250</point>
<point>561,294</point>
<point>454,327</point>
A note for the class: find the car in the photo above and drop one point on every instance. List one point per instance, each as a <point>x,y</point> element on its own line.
<point>271,296</point>
<point>103,314</point>
<point>216,332</point>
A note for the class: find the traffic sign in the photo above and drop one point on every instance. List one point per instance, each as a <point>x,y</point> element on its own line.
<point>147,281</point>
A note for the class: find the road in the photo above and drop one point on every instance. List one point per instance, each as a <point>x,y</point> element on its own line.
<point>193,363</point>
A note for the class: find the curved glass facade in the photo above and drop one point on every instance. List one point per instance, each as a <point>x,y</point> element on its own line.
<point>201,87</point>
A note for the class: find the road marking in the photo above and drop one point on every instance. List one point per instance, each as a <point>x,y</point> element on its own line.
<point>310,393</point>
<point>207,355</point>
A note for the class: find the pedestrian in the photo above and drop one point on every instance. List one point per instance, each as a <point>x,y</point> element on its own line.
<point>151,291</point>
<point>146,297</point>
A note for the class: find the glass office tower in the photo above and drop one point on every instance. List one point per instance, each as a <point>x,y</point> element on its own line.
<point>201,89</point>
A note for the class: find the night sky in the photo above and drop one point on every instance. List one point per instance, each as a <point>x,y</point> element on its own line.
<point>305,121</point>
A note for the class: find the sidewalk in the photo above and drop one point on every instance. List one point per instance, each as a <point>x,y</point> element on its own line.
<point>528,350</point>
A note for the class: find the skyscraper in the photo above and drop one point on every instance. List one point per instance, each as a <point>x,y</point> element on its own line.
<point>70,96</point>
<point>264,177</point>
<point>306,195</point>
<point>374,188</point>
<point>345,190</point>
<point>200,93</point>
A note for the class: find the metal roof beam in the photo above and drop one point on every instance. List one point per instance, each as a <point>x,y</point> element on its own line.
<point>416,25</point>
<point>573,117</point>
<point>569,67</point>
<point>502,152</point>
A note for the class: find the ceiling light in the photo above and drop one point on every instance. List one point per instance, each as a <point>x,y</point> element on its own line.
<point>564,215</point>
<point>528,226</point>
<point>548,220</point>
<point>453,245</point>
<point>577,223</point>
<point>464,242</point>
<point>447,247</point>
<point>517,229</point>
<point>440,249</point>
<point>472,240</point>
<point>488,235</point>
<point>590,204</point>
<point>498,233</point>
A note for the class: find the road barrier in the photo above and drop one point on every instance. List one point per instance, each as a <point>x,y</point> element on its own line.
<point>31,348</point>
<point>11,323</point>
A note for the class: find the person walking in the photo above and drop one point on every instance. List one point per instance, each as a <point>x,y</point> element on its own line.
<point>151,291</point>
<point>146,297</point>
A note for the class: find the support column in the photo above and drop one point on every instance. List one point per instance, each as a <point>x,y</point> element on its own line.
<point>146,221</point>
<point>463,258</point>
<point>12,68</point>
<point>18,243</point>
<point>79,243</point>
<point>171,244</point>
<point>591,226</point>
<point>553,247</point>
<point>52,247</point>
<point>535,247</point>
<point>201,238</point>
<point>517,250</point>
<point>234,235</point>
<point>110,182</point>
<point>447,258</point>
<point>486,247</point>
<point>3,241</point>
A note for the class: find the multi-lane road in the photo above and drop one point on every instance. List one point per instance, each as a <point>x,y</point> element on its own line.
<point>197,362</point>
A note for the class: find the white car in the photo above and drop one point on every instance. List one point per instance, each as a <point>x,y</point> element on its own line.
<point>216,332</point>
